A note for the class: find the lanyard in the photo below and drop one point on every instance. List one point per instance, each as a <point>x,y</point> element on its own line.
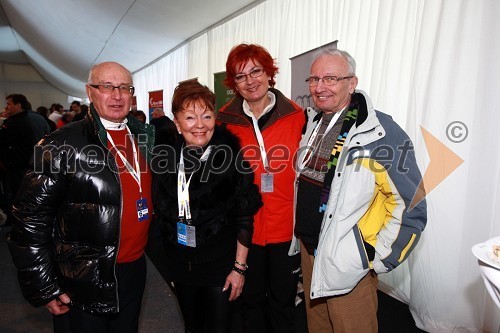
<point>183,186</point>
<point>134,171</point>
<point>260,140</point>
<point>309,152</point>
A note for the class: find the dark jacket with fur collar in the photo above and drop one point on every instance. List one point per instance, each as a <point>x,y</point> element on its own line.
<point>223,198</point>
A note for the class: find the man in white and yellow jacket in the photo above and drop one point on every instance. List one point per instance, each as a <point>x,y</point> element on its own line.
<point>356,179</point>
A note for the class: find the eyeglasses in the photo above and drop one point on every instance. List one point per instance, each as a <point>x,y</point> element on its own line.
<point>256,72</point>
<point>109,88</point>
<point>327,80</point>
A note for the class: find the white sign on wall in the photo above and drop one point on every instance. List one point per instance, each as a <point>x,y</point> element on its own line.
<point>300,71</point>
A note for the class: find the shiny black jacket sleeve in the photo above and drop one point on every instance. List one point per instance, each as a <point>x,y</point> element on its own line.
<point>31,237</point>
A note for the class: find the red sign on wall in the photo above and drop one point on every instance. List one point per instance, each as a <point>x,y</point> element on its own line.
<point>134,103</point>
<point>155,100</point>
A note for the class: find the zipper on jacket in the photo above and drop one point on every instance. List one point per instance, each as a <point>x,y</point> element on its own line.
<point>117,177</point>
<point>370,265</point>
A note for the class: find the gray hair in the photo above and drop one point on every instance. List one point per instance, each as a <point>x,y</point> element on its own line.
<point>351,63</point>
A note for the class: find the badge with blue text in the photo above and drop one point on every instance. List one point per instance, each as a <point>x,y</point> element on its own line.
<point>142,209</point>
<point>186,234</point>
<point>267,183</point>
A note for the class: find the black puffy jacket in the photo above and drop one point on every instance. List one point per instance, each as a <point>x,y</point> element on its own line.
<point>65,234</point>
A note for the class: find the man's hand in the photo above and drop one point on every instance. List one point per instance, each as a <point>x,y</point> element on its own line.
<point>59,305</point>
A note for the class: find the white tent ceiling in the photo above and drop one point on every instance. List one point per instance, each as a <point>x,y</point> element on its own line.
<point>62,39</point>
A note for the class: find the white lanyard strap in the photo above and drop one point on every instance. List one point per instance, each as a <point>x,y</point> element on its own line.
<point>183,186</point>
<point>260,140</point>
<point>134,171</point>
<point>309,148</point>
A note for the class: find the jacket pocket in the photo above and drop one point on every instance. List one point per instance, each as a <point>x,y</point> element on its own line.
<point>78,265</point>
<point>366,251</point>
<point>351,255</point>
<point>339,265</point>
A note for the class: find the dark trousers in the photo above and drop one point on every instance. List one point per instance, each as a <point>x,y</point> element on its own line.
<point>131,283</point>
<point>204,308</point>
<point>268,299</point>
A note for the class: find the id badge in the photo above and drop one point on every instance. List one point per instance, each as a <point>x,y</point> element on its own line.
<point>142,209</point>
<point>266,182</point>
<point>186,234</point>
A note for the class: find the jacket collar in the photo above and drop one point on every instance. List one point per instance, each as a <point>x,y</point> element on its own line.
<point>367,122</point>
<point>233,113</point>
<point>144,133</point>
<point>15,116</point>
<point>367,117</point>
<point>360,101</point>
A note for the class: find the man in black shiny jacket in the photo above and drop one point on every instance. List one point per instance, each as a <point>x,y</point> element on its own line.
<point>82,215</point>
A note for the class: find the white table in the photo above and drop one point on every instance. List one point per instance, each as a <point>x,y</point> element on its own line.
<point>489,268</point>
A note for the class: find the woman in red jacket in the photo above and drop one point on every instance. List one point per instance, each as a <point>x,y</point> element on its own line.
<point>269,126</point>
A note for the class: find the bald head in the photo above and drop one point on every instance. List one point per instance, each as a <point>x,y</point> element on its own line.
<point>157,113</point>
<point>110,90</point>
<point>107,67</point>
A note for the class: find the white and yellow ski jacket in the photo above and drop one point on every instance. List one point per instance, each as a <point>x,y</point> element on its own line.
<point>375,182</point>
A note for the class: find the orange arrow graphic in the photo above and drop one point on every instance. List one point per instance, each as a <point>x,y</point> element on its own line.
<point>442,163</point>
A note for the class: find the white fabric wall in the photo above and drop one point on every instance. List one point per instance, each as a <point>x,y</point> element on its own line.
<point>164,74</point>
<point>24,79</point>
<point>426,63</point>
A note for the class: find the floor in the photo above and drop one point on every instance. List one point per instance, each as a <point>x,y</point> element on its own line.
<point>160,312</point>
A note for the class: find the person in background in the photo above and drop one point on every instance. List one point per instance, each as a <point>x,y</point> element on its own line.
<point>165,134</point>
<point>4,114</point>
<point>269,126</point>
<point>357,176</point>
<point>40,124</point>
<point>4,195</point>
<point>139,114</point>
<point>157,113</point>
<point>205,209</point>
<point>43,111</point>
<point>77,111</point>
<point>66,118</point>
<point>165,127</point>
<point>18,135</point>
<point>3,218</point>
<point>82,215</point>
<point>56,112</point>
<point>85,109</point>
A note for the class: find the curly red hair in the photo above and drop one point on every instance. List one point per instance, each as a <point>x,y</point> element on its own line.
<point>241,54</point>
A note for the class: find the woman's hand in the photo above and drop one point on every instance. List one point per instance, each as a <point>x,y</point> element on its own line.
<point>236,282</point>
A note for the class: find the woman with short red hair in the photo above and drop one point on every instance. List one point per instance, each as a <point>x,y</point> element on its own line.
<point>269,126</point>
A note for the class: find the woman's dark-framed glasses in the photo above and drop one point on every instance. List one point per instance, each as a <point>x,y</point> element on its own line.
<point>256,72</point>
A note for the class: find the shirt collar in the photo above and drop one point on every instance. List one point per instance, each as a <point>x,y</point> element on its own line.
<point>112,126</point>
<point>272,99</point>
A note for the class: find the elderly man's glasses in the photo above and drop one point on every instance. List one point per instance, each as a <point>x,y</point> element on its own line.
<point>327,80</point>
<point>256,72</point>
<point>109,88</point>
